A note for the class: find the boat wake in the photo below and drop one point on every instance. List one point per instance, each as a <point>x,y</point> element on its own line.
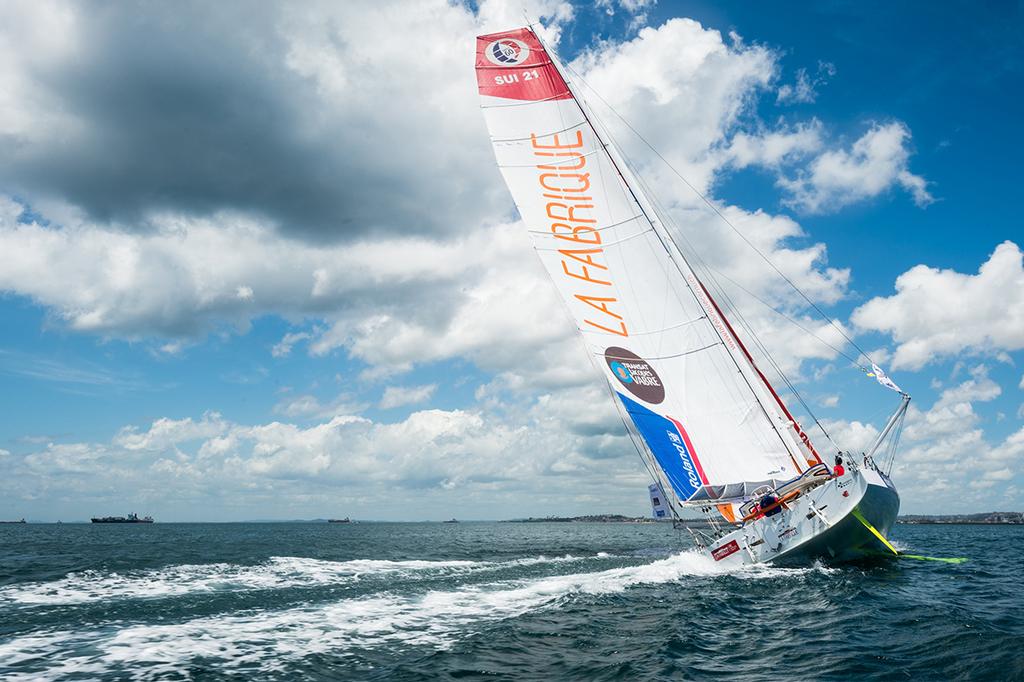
<point>277,573</point>
<point>261,639</point>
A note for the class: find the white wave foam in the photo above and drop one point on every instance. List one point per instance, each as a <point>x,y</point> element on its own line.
<point>277,573</point>
<point>435,618</point>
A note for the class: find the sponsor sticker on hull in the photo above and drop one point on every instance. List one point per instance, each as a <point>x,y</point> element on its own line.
<point>725,550</point>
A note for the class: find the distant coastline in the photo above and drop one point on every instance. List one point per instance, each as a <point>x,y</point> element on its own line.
<point>1001,518</point>
<point>982,519</point>
<point>593,518</point>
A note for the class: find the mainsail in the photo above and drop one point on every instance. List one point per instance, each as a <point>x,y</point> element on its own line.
<point>708,418</point>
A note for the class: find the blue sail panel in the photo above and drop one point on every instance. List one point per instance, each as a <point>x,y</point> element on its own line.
<point>671,447</point>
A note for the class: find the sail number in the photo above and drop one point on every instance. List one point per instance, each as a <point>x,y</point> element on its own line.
<point>514,77</point>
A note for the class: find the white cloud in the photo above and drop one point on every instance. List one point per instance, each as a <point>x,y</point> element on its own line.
<point>308,406</point>
<point>875,163</point>
<point>636,9</point>
<point>803,90</point>
<point>494,460</point>
<point>944,450</point>
<point>771,148</point>
<point>283,348</point>
<point>44,34</point>
<point>682,87</point>
<point>939,313</point>
<point>399,299</point>
<point>165,433</point>
<point>393,286</point>
<point>853,436</point>
<point>397,396</point>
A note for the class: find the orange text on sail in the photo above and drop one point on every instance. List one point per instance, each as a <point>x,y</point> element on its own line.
<point>566,188</point>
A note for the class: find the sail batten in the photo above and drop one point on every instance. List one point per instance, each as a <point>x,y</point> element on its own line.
<point>648,322</point>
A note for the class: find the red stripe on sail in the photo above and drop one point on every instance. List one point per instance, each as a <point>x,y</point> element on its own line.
<point>796,427</point>
<point>514,65</point>
<point>690,449</point>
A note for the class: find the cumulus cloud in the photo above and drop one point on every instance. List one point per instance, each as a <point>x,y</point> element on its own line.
<point>677,77</point>
<point>876,162</point>
<point>773,147</point>
<point>944,451</point>
<point>208,173</point>
<point>165,433</point>
<point>493,459</point>
<point>938,313</point>
<point>406,297</point>
<point>298,116</point>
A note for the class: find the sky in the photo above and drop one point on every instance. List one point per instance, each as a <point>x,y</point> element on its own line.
<point>263,266</point>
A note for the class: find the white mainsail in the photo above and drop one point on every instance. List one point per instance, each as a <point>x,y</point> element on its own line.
<point>707,416</point>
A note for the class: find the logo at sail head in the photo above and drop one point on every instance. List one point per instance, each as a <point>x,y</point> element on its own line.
<point>635,374</point>
<point>507,52</point>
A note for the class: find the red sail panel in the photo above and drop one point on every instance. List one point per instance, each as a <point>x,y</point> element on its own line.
<point>514,65</point>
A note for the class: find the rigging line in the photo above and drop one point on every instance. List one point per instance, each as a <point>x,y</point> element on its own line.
<point>596,248</point>
<point>634,437</point>
<point>503,140</point>
<point>641,448</point>
<point>695,257</point>
<point>778,312</point>
<point>671,257</point>
<point>724,295</point>
<point>664,357</point>
<point>554,235</point>
<point>720,215</point>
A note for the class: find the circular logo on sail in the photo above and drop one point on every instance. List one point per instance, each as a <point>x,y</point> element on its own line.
<point>636,374</point>
<point>507,52</point>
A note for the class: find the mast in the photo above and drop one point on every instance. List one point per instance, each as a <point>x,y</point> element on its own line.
<point>675,254</point>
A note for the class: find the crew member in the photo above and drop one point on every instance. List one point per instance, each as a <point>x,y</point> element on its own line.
<point>767,501</point>
<point>838,470</point>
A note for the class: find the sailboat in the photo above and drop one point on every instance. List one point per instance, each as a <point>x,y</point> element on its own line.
<point>714,433</point>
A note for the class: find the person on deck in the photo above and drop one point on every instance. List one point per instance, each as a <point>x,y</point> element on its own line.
<point>767,501</point>
<point>838,470</point>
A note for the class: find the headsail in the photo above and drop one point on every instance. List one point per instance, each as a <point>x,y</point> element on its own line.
<point>708,418</point>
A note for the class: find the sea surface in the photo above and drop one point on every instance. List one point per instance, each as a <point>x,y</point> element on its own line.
<point>494,601</point>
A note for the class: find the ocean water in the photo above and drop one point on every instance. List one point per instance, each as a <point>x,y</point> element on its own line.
<point>549,601</point>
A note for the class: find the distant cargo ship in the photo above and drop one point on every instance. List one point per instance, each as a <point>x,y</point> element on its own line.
<point>22,521</point>
<point>131,518</point>
<point>344,520</point>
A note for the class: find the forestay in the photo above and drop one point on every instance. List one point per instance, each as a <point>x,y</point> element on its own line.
<point>709,419</point>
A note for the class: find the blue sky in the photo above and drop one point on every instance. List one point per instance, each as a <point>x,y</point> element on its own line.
<point>288,282</point>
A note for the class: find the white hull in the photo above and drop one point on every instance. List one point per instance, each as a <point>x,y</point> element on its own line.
<point>819,524</point>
